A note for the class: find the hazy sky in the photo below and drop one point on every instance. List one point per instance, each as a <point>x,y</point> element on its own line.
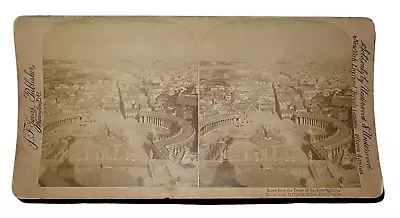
<point>276,40</point>
<point>251,39</point>
<point>95,38</point>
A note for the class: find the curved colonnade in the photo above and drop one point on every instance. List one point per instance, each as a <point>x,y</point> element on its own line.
<point>215,122</point>
<point>338,136</point>
<point>181,133</point>
<point>212,123</point>
<point>335,142</point>
<point>52,124</point>
<point>320,122</point>
<point>174,143</point>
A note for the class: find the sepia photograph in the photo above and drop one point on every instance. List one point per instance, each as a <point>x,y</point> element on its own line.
<point>173,108</point>
<point>120,104</point>
<point>196,107</point>
<point>275,105</point>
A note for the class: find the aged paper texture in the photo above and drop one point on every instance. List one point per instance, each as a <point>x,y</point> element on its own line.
<point>195,107</point>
